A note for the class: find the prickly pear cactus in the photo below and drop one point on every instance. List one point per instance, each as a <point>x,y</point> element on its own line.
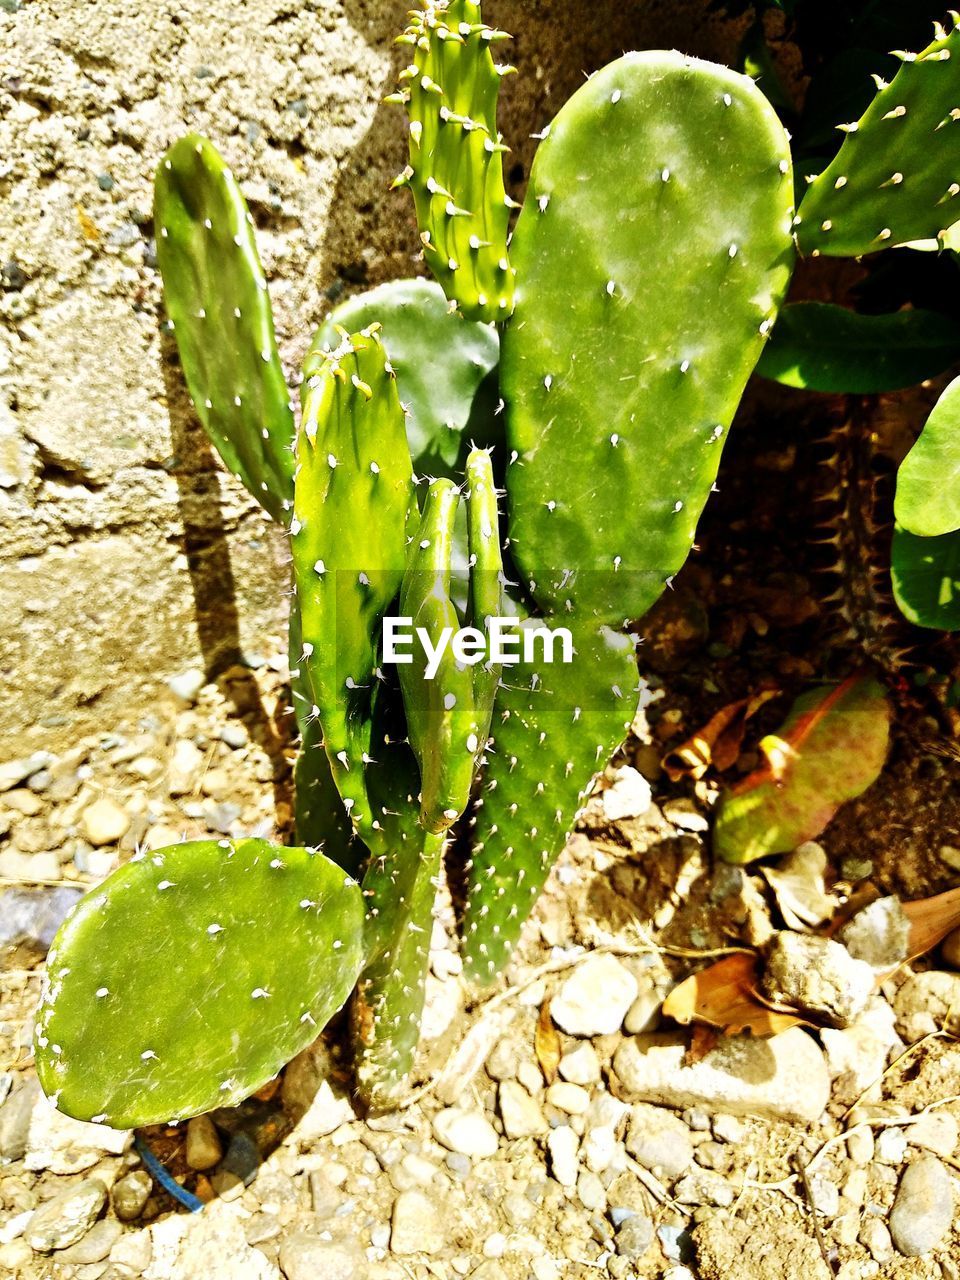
<point>217,301</point>
<point>555,726</point>
<point>388,1003</point>
<point>353,501</point>
<point>642,307</point>
<point>455,172</point>
<point>896,178</point>
<point>445,366</point>
<point>191,975</point>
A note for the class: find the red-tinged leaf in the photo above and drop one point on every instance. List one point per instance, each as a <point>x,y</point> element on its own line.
<point>832,746</point>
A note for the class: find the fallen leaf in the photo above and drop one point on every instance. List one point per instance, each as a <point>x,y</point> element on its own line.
<point>703,1040</point>
<point>724,996</point>
<point>717,743</point>
<point>931,919</point>
<point>546,1044</point>
<point>832,746</point>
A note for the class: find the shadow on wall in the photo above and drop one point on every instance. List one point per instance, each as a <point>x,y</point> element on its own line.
<point>204,543</point>
<point>371,235</point>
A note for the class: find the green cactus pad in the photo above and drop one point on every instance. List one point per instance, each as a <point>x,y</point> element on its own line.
<point>819,347</point>
<point>320,820</point>
<point>928,481</point>
<point>831,747</point>
<point>353,501</point>
<point>191,975</point>
<point>926,579</point>
<point>554,727</point>
<point>896,178</point>
<point>450,91</point>
<point>445,366</point>
<point>217,301</point>
<point>652,253</point>
<point>388,1003</point>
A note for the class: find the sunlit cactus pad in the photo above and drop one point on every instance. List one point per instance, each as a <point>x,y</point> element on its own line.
<point>216,297</point>
<point>445,367</point>
<point>896,178</point>
<point>652,253</point>
<point>169,992</point>
<point>555,726</point>
<point>450,90</point>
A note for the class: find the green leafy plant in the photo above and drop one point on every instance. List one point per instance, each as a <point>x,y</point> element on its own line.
<point>629,322</point>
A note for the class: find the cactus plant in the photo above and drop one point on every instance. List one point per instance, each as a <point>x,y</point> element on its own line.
<point>821,347</point>
<point>894,179</point>
<point>455,171</point>
<point>388,757</point>
<point>219,308</point>
<point>129,1034</point>
<point>680,289</point>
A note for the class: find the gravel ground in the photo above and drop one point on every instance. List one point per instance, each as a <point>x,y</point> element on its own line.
<point>589,1147</point>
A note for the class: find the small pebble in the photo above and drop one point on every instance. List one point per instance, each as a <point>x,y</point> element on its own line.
<point>875,1238</point>
<point>890,1145</point>
<point>581,1065</point>
<point>67,1216</point>
<point>570,1098</point>
<point>130,1194</point>
<point>923,1208</point>
<point>563,1145</point>
<point>466,1132</point>
<point>522,1115</point>
<point>104,822</point>
<point>187,686</point>
<point>204,1148</point>
<point>417,1225</point>
<point>594,1000</point>
<point>634,1237</point>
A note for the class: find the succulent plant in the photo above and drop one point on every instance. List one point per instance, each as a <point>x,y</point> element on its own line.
<point>455,171</point>
<point>895,178</point>
<point>621,371</point>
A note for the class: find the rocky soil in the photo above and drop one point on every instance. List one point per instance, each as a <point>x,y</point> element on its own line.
<point>556,1129</point>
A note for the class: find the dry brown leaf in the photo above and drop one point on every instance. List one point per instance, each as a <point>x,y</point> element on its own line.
<point>717,743</point>
<point>546,1044</point>
<point>724,995</point>
<point>931,919</point>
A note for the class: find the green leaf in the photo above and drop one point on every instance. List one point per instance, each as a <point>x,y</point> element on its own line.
<point>191,975</point>
<point>926,579</point>
<point>820,347</point>
<point>928,482</point>
<point>831,747</point>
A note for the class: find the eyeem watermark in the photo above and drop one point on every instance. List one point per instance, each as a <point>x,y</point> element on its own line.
<point>506,641</point>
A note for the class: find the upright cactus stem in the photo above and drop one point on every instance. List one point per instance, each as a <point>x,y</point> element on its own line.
<point>216,299</point>
<point>896,177</point>
<point>455,171</point>
<point>353,500</point>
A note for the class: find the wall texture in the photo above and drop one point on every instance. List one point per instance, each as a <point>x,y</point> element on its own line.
<point>126,554</point>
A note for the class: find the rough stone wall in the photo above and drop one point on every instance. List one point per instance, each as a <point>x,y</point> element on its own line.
<point>126,554</point>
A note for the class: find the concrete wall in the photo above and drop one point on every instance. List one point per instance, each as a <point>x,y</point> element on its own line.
<point>126,555</point>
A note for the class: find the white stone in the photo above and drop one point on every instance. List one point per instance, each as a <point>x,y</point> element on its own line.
<point>570,1098</point>
<point>594,1000</point>
<point>581,1065</point>
<point>63,1145</point>
<point>104,822</point>
<point>628,796</point>
<point>782,1078</point>
<point>417,1226</point>
<point>563,1145</point>
<point>185,766</point>
<point>468,1132</point>
<point>522,1116</point>
<point>936,1131</point>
